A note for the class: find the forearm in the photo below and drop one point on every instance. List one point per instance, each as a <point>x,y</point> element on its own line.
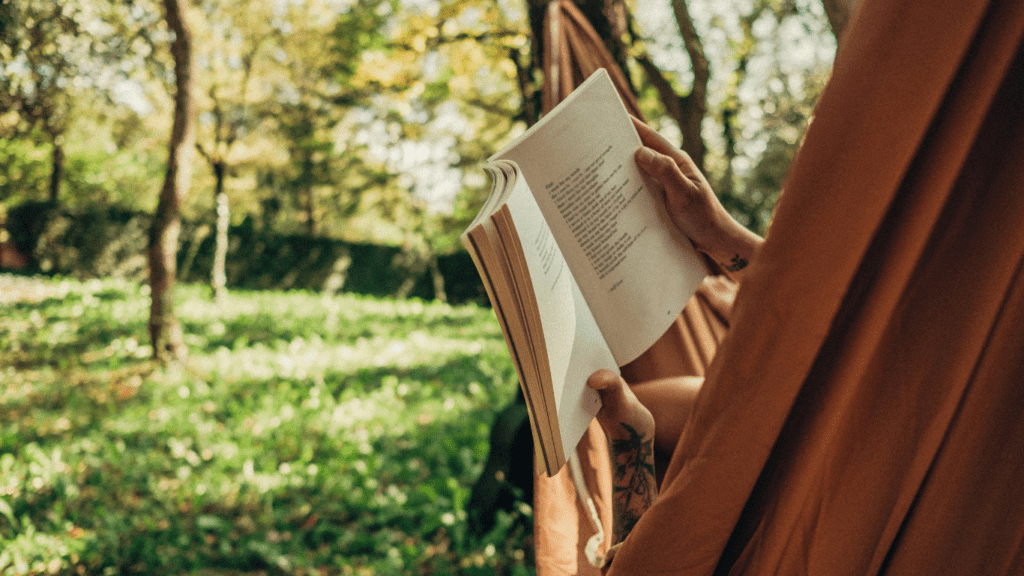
<point>634,488</point>
<point>734,247</point>
<point>692,204</point>
<point>630,429</point>
<point>669,400</point>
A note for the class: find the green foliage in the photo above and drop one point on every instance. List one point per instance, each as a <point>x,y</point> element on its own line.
<point>304,435</point>
<point>24,169</point>
<point>8,19</point>
<point>110,240</point>
<point>95,241</point>
<point>356,31</point>
<point>366,120</point>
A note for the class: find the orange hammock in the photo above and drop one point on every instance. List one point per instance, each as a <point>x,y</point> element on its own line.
<point>864,413</point>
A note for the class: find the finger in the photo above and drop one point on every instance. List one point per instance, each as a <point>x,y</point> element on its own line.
<point>617,400</point>
<point>604,380</point>
<point>652,139</point>
<point>655,141</point>
<point>664,169</point>
<point>612,390</point>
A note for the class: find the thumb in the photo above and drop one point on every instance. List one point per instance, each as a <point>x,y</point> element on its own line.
<point>657,164</point>
<point>619,405</point>
<point>609,386</point>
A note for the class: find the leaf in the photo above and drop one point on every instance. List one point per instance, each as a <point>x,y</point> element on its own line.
<point>8,513</point>
<point>207,522</point>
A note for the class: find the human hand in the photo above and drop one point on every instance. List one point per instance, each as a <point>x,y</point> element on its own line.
<point>692,204</point>
<point>620,406</point>
<point>630,430</point>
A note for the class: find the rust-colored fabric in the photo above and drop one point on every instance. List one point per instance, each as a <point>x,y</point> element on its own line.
<point>865,413</point>
<point>572,52</point>
<point>562,525</point>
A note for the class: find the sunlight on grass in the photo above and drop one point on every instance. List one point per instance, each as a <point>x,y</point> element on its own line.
<point>303,435</point>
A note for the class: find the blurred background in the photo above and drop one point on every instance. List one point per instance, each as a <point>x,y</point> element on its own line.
<point>332,407</point>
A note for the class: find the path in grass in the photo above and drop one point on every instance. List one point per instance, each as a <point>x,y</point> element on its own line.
<point>303,436</point>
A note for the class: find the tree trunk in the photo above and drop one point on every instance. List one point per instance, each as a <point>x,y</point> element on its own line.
<point>57,172</point>
<point>218,272</point>
<point>695,104</point>
<point>164,330</point>
<point>611,20</point>
<point>438,279</point>
<point>310,209</point>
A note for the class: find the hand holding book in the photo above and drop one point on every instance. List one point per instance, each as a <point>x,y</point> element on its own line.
<point>630,430</point>
<point>692,205</point>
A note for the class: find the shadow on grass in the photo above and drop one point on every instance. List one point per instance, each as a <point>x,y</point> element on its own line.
<point>455,376</point>
<point>267,329</point>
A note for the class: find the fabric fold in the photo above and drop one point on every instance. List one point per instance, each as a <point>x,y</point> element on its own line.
<point>830,411</point>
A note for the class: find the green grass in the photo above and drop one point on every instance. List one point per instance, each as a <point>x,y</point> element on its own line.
<point>303,435</point>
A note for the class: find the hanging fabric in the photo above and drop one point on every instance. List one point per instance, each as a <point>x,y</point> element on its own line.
<point>864,414</point>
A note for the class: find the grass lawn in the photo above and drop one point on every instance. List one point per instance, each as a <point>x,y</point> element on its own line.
<point>303,436</point>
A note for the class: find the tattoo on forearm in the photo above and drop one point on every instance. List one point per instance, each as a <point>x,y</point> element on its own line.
<point>634,487</point>
<point>737,264</point>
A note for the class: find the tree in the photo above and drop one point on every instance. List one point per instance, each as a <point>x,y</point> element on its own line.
<point>234,37</point>
<point>777,62</point>
<point>164,328</point>
<point>309,94</point>
<point>63,69</point>
<point>449,95</point>
<point>690,109</point>
<point>43,44</point>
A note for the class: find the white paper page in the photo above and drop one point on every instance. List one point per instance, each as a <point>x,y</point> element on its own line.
<point>590,353</point>
<point>576,348</point>
<point>579,163</point>
<point>550,277</point>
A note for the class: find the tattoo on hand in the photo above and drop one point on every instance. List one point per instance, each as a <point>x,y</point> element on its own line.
<point>634,487</point>
<point>737,264</point>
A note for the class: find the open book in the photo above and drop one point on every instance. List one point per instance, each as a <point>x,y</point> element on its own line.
<point>581,263</point>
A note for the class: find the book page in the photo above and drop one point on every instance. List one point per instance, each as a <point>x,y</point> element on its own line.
<point>634,268</point>
<point>512,306</point>
<point>477,249</point>
<point>549,329</point>
<point>522,283</point>
<point>485,247</point>
<point>590,353</point>
<point>576,349</point>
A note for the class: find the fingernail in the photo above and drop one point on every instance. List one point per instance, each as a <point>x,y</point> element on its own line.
<point>645,155</point>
